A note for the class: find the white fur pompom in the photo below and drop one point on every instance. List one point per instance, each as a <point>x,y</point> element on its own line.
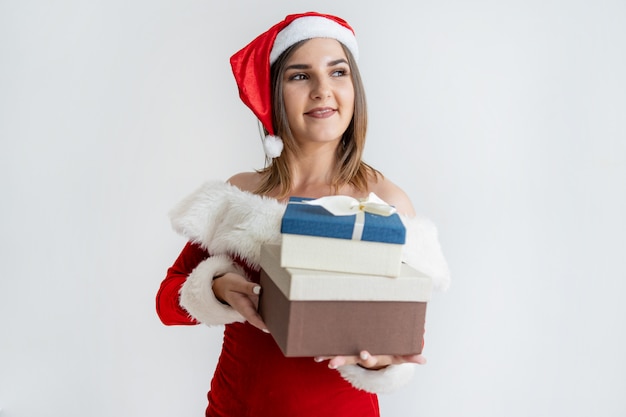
<point>273,146</point>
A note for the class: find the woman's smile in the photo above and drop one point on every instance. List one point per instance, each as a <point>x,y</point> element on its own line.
<point>321,112</point>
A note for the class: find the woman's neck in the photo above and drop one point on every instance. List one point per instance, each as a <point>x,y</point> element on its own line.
<point>312,172</point>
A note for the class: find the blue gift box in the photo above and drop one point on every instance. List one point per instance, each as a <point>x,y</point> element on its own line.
<point>310,220</point>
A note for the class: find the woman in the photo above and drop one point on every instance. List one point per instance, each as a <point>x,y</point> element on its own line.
<point>301,80</point>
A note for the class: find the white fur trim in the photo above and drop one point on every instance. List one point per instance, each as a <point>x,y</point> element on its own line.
<point>226,220</point>
<point>382,381</point>
<point>310,27</point>
<point>273,146</point>
<point>423,252</point>
<point>197,297</point>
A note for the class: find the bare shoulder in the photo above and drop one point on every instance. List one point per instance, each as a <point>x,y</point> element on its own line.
<point>246,181</point>
<point>392,194</point>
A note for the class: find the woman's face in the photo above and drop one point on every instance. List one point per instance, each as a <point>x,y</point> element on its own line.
<point>318,92</point>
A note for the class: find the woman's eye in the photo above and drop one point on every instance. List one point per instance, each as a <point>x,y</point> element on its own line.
<point>297,77</point>
<point>339,73</point>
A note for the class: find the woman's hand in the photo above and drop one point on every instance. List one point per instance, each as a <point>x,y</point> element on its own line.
<point>373,362</point>
<point>240,294</point>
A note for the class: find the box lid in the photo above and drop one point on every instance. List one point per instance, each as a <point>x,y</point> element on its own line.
<point>305,219</point>
<point>309,284</point>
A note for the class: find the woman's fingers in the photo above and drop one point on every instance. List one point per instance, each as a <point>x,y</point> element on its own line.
<point>418,359</point>
<point>246,305</point>
<point>366,360</point>
<point>242,295</point>
<point>371,361</point>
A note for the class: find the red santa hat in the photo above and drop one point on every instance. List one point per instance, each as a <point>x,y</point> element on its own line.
<point>251,65</point>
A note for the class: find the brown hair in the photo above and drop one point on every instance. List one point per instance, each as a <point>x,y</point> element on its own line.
<point>350,168</point>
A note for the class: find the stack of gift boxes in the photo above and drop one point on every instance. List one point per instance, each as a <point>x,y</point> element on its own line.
<point>337,285</point>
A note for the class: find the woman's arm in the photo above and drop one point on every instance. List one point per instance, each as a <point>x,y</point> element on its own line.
<point>168,297</point>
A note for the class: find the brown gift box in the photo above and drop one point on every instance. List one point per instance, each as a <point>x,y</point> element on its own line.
<point>308,317</point>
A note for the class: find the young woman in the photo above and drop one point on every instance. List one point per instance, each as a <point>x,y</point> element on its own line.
<point>301,80</point>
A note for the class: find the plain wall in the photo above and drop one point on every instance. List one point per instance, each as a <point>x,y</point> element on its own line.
<point>503,120</point>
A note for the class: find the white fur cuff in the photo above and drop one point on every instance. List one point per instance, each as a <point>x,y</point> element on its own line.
<point>382,381</point>
<point>197,297</point>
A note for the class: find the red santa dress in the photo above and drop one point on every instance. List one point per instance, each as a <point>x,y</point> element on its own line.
<point>226,228</point>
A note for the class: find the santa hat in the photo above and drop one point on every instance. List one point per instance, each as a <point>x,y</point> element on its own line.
<point>251,65</point>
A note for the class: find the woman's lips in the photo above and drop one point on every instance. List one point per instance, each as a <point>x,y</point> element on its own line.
<point>321,113</point>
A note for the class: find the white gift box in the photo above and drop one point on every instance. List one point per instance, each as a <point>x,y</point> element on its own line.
<point>310,284</point>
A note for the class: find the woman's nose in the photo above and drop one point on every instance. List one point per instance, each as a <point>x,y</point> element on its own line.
<point>321,89</point>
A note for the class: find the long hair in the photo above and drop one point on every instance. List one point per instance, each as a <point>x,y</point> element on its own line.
<point>350,169</point>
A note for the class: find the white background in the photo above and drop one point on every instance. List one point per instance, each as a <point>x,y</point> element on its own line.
<point>503,120</point>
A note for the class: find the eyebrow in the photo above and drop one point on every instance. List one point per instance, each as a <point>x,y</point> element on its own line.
<point>305,66</point>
